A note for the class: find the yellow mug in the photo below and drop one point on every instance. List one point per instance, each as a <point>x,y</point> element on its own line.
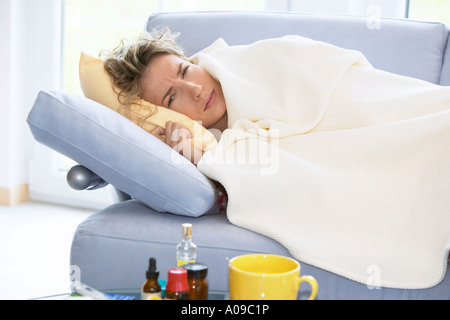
<point>266,277</point>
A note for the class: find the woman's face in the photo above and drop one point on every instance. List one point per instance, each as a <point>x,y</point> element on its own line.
<point>174,83</point>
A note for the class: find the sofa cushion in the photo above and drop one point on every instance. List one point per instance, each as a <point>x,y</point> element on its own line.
<point>126,234</point>
<point>393,45</point>
<point>111,248</point>
<point>121,153</point>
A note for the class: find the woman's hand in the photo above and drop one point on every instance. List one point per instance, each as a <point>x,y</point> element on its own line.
<point>173,134</point>
<point>178,137</point>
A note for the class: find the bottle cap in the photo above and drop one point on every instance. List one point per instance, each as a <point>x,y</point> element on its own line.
<point>177,280</point>
<point>152,272</point>
<point>196,270</point>
<point>186,230</point>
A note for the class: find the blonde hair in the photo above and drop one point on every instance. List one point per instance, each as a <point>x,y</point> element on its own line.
<point>126,63</point>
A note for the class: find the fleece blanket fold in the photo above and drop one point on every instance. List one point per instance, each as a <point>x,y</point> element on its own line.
<point>345,165</point>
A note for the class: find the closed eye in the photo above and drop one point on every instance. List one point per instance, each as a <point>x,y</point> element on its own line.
<point>184,71</point>
<point>183,74</point>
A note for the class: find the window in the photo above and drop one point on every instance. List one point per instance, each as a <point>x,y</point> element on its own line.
<point>430,10</point>
<point>95,25</point>
<point>42,28</point>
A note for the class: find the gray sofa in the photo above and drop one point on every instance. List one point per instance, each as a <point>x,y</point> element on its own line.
<point>112,247</point>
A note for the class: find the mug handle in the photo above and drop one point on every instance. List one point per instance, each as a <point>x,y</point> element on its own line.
<point>312,282</point>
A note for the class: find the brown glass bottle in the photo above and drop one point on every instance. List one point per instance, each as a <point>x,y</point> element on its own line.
<point>177,285</point>
<point>197,282</point>
<point>151,288</point>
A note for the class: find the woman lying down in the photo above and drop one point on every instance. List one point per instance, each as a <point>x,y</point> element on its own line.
<point>345,165</point>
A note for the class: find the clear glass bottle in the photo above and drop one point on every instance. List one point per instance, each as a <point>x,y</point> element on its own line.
<point>186,249</point>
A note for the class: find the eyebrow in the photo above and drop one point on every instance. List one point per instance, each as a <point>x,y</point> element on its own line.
<point>180,67</point>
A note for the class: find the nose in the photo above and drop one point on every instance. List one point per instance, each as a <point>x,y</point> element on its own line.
<point>194,90</point>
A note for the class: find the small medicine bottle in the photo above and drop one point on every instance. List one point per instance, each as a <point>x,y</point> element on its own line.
<point>177,285</point>
<point>151,288</point>
<point>186,249</point>
<point>198,284</point>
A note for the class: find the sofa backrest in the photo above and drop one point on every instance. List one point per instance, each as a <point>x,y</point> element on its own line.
<point>445,74</point>
<point>405,47</point>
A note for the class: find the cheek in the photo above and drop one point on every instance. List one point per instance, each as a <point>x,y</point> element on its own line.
<point>201,74</point>
<point>186,107</point>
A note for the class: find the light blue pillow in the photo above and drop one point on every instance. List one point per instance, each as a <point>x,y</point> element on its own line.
<point>121,153</point>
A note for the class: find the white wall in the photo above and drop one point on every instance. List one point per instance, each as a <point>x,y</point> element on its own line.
<point>30,60</point>
<point>12,154</point>
<point>5,91</point>
<point>5,18</point>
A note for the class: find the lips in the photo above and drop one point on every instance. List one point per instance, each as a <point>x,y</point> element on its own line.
<point>210,100</point>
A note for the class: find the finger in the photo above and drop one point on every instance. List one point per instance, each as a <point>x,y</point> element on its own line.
<point>168,138</point>
<point>186,132</point>
<point>178,147</point>
<point>181,132</point>
<point>158,132</point>
<point>175,133</point>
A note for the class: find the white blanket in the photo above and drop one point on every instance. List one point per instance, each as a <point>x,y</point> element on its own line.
<point>347,166</point>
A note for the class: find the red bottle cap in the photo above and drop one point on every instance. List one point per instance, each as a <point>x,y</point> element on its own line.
<point>177,280</point>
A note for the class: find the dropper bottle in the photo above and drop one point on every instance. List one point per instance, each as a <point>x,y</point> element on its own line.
<point>186,250</point>
<point>151,288</point>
